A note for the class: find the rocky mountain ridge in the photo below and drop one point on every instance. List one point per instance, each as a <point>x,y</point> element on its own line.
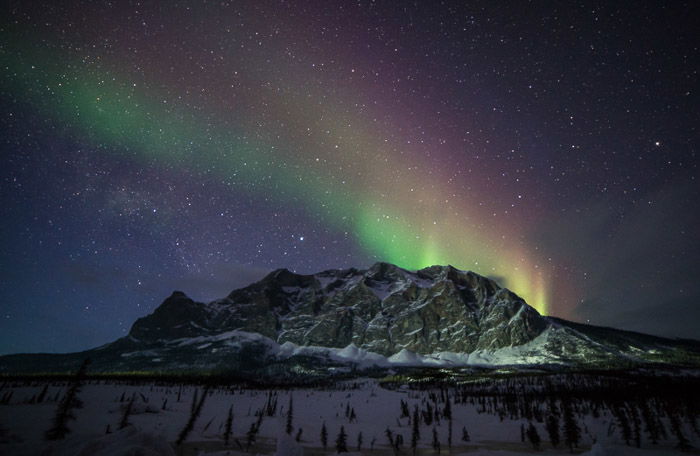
<point>383,309</point>
<point>384,316</point>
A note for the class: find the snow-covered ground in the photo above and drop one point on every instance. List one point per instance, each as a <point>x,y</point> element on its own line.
<point>160,412</point>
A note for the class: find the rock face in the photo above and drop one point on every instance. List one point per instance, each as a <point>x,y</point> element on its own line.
<point>305,327</point>
<point>383,309</point>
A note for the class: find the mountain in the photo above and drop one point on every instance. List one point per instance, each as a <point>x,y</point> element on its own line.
<point>381,317</point>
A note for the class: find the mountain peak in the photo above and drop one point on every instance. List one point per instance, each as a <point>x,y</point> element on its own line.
<point>176,294</point>
<point>382,309</point>
<point>383,265</point>
<point>384,313</point>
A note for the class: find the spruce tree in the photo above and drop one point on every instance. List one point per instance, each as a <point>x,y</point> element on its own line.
<point>465,435</point>
<point>290,415</point>
<point>250,436</point>
<point>436,440</point>
<point>449,432</point>
<point>193,406</point>
<point>650,426</point>
<point>636,426</point>
<point>398,441</point>
<point>415,430</point>
<point>42,394</point>
<point>447,411</point>
<point>552,427</point>
<point>195,411</point>
<point>359,441</point>
<point>69,402</point>
<point>324,436</point>
<point>390,437</point>
<point>124,422</point>
<point>428,414</point>
<point>229,426</point>
<point>404,409</point>
<point>623,422</point>
<point>572,433</point>
<point>533,436</point>
<point>341,444</point>
<point>676,428</point>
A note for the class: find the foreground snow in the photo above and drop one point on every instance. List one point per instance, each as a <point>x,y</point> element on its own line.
<point>160,412</point>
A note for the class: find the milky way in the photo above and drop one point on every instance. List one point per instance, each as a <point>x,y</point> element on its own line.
<point>197,146</point>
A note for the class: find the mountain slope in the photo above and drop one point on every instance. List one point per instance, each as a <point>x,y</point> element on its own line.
<point>383,309</point>
<point>382,316</point>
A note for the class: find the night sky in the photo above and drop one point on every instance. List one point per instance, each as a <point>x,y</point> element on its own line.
<point>154,146</point>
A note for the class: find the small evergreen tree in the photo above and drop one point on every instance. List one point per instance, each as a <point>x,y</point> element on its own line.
<point>623,421</point>
<point>228,427</point>
<point>447,411</point>
<point>404,409</point>
<point>449,432</point>
<point>415,430</point>
<point>572,433</point>
<point>428,414</point>
<point>390,437</point>
<point>676,428</point>
<point>193,406</point>
<point>70,401</point>
<point>195,411</point>
<point>341,444</point>
<point>290,416</point>
<point>650,426</point>
<point>436,440</point>
<point>42,394</point>
<point>324,436</point>
<point>250,436</point>
<point>124,422</point>
<point>359,441</point>
<point>552,427</point>
<point>398,441</point>
<point>636,424</point>
<point>465,435</point>
<point>533,436</point>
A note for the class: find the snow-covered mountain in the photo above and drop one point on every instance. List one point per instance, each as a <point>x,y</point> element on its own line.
<point>384,316</point>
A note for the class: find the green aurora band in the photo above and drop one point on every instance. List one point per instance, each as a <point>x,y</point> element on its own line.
<point>389,220</point>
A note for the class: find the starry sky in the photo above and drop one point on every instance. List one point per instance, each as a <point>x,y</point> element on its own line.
<point>155,146</point>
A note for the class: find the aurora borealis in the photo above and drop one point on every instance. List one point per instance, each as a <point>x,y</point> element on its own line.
<point>196,145</point>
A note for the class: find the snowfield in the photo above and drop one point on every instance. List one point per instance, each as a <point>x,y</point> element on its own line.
<point>367,411</point>
<point>533,352</point>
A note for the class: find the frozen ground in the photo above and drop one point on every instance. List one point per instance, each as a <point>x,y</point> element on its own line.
<point>160,412</point>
